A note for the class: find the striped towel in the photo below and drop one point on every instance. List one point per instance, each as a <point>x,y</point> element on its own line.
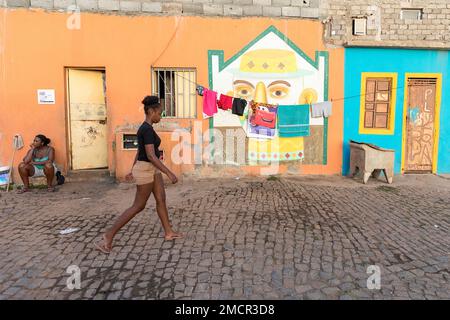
<point>293,120</point>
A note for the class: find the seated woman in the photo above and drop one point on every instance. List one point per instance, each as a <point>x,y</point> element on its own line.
<point>38,163</point>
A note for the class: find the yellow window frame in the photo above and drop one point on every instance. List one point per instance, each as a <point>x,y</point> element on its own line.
<point>392,104</point>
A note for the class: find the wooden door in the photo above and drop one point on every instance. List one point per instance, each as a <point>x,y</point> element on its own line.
<point>87,110</point>
<point>420,120</point>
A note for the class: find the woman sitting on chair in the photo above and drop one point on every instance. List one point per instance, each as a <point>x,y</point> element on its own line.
<point>38,163</point>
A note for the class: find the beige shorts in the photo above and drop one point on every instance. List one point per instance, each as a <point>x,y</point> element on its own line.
<point>144,172</point>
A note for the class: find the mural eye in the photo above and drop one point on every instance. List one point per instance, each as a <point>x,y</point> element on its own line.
<point>243,91</point>
<point>279,92</point>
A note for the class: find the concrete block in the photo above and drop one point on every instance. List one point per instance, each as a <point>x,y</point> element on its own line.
<point>290,11</point>
<point>252,10</point>
<point>109,5</point>
<point>213,9</point>
<point>223,1</point>
<point>193,8</point>
<point>281,3</point>
<point>18,3</point>
<point>262,2</point>
<point>272,11</point>
<point>88,5</point>
<point>242,2</point>
<point>63,4</point>
<point>300,3</point>
<point>46,4</point>
<point>309,12</point>
<point>172,8</point>
<point>232,10</point>
<point>154,7</point>
<point>130,6</point>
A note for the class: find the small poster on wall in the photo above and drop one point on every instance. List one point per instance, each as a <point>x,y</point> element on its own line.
<point>4,175</point>
<point>46,96</point>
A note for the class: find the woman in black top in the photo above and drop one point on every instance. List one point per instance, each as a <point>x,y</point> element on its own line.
<point>147,168</point>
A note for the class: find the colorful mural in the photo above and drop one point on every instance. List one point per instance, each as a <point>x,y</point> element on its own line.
<point>270,71</point>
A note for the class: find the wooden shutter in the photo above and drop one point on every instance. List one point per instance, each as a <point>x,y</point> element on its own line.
<point>377,103</point>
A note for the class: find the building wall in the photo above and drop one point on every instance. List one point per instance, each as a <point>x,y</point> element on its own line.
<point>384,24</point>
<point>37,46</point>
<point>398,61</point>
<point>232,8</point>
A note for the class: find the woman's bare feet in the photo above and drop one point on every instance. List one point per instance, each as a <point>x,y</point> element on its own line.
<point>173,235</point>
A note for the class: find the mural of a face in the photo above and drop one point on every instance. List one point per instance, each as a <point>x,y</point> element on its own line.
<point>274,71</point>
<point>268,76</point>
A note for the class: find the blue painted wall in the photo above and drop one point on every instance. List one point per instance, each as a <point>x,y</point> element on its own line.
<point>401,61</point>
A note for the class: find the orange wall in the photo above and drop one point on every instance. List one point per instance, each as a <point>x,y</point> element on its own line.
<point>37,46</point>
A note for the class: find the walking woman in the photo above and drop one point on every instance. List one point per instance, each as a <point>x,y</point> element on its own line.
<point>147,169</point>
<point>38,163</point>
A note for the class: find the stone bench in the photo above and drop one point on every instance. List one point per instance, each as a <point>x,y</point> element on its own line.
<point>368,159</point>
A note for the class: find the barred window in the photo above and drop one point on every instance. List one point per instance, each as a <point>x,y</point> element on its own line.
<point>176,89</point>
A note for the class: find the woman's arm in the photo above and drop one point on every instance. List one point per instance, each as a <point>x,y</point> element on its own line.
<point>150,151</point>
<point>29,157</point>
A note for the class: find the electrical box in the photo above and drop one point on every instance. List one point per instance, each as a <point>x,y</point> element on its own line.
<point>129,141</point>
<point>359,26</point>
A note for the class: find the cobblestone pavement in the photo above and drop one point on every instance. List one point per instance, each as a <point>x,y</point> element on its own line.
<point>252,238</point>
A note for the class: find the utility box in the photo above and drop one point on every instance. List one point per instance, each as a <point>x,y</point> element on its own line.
<point>359,26</point>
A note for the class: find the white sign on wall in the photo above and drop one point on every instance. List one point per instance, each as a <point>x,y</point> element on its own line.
<point>46,96</point>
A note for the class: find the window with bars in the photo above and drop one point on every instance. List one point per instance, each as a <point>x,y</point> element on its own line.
<point>176,89</point>
<point>378,94</point>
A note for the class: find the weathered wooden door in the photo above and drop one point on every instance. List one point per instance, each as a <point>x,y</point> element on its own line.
<point>420,125</point>
<point>87,110</point>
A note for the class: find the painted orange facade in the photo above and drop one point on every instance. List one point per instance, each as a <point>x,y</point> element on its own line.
<point>36,48</point>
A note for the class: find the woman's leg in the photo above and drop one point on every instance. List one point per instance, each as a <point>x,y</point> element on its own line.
<point>160,196</point>
<point>26,171</point>
<point>49,171</point>
<point>142,194</point>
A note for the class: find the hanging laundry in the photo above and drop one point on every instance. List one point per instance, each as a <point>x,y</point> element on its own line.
<point>321,109</point>
<point>238,106</point>
<point>264,118</point>
<point>209,103</point>
<point>225,102</point>
<point>255,105</point>
<point>200,90</point>
<point>293,120</point>
<point>262,123</point>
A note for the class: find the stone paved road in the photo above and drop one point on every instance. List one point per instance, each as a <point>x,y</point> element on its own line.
<point>253,238</point>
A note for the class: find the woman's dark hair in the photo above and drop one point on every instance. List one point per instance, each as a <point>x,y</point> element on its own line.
<point>44,139</point>
<point>150,102</point>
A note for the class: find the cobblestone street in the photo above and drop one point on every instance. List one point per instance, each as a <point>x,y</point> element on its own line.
<point>252,238</point>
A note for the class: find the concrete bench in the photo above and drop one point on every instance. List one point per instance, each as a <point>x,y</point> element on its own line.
<point>368,159</point>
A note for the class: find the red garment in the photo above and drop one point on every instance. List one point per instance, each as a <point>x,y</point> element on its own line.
<point>225,102</point>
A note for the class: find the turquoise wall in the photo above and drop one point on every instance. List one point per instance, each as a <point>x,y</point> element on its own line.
<point>400,61</point>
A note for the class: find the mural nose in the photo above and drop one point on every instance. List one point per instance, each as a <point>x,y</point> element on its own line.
<point>260,93</point>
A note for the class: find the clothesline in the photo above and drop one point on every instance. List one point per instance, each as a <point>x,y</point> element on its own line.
<point>332,99</point>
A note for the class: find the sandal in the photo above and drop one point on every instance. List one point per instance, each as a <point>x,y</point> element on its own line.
<point>102,247</point>
<point>23,190</point>
<point>51,189</point>
<point>173,237</point>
